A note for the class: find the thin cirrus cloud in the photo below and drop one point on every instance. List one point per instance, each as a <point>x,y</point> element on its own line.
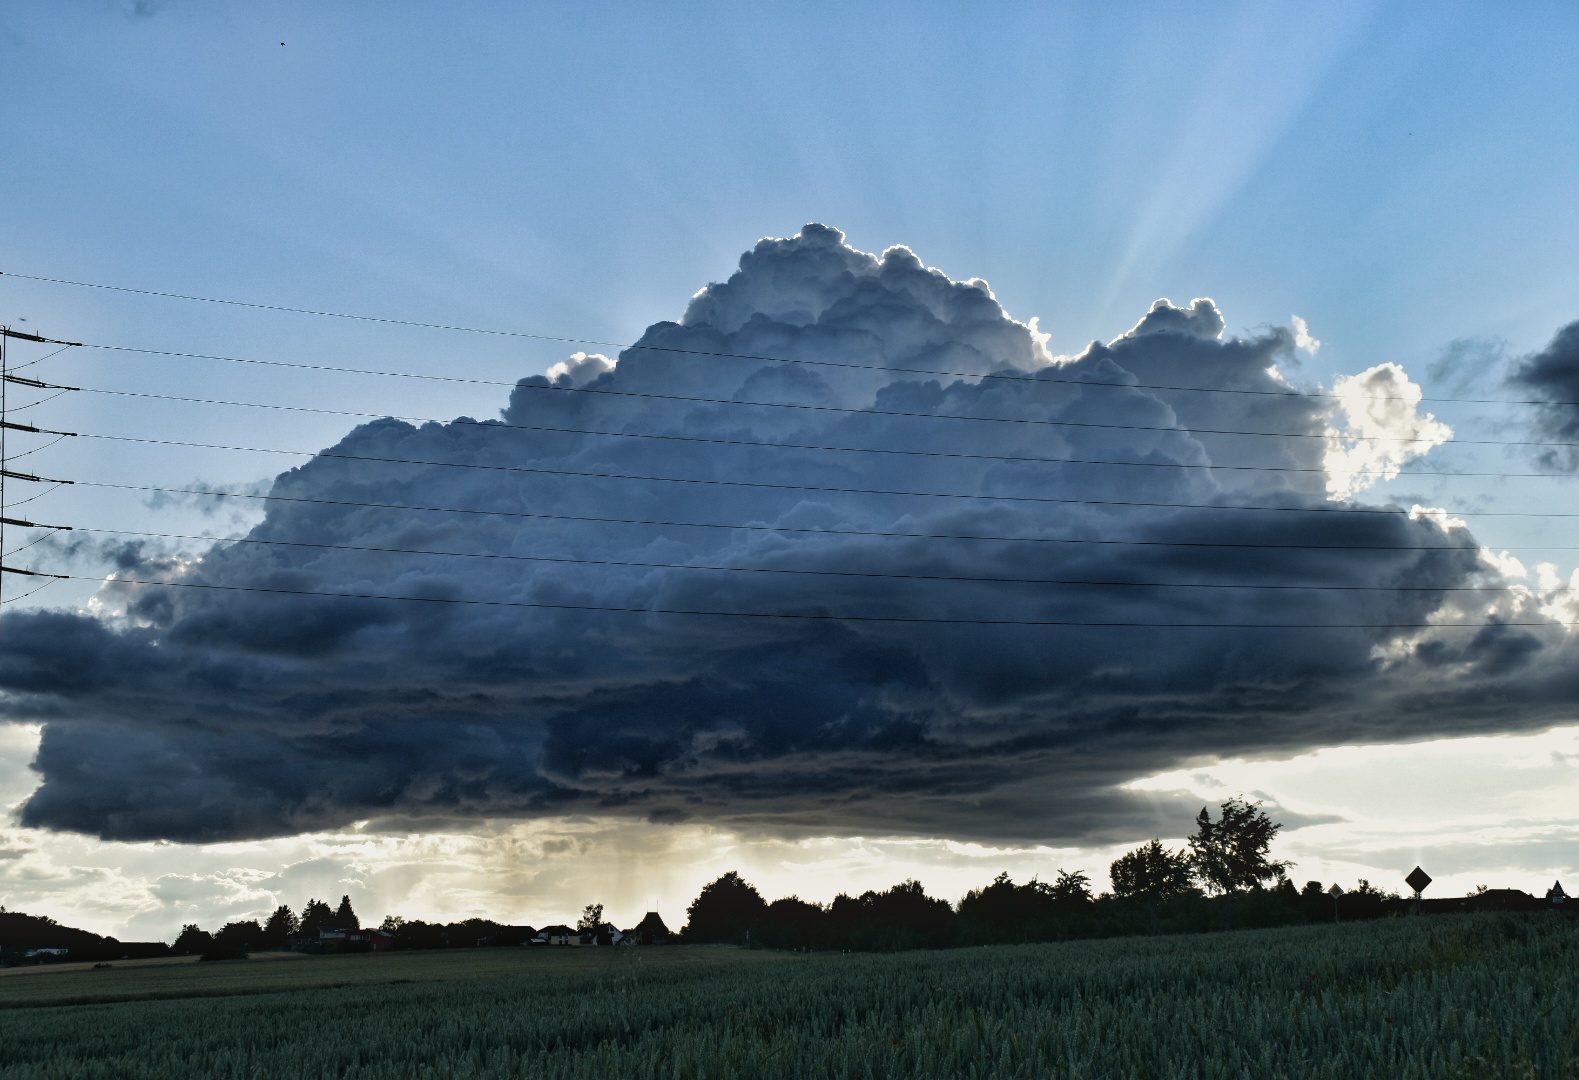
<point>908,696</point>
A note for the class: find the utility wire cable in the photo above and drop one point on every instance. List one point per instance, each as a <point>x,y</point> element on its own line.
<point>809,616</point>
<point>846,410</point>
<point>877,574</point>
<point>42,401</point>
<point>1038,378</point>
<point>30,592</point>
<point>531,515</point>
<point>622,346</point>
<point>765,485</point>
<point>36,449</point>
<point>46,356</point>
<point>707,440</point>
<point>12,505</point>
<point>40,538</point>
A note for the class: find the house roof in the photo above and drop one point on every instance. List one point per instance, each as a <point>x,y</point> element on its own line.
<point>652,921</point>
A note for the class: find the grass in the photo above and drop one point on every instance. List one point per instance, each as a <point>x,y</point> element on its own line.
<point>1474,996</point>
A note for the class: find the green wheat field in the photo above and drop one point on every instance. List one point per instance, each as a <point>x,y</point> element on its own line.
<point>1472,996</point>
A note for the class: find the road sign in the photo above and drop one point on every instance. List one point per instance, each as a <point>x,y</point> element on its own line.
<point>1417,880</point>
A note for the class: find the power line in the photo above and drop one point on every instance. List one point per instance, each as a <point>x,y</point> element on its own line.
<point>706,440</point>
<point>966,578</point>
<point>1039,377</point>
<point>523,514</point>
<point>623,346</point>
<point>845,410</point>
<point>30,592</point>
<point>46,356</point>
<point>765,485</point>
<point>812,616</point>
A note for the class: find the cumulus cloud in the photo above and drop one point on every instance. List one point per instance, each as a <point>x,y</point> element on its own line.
<point>1553,376</point>
<point>1008,591</point>
<point>1302,336</point>
<point>1377,429</point>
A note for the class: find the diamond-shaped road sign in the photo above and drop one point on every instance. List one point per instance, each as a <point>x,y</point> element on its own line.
<point>1417,880</point>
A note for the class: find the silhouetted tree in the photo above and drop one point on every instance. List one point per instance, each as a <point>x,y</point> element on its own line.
<point>282,925</point>
<point>1070,888</point>
<point>792,923</point>
<point>193,939</point>
<point>344,917</point>
<point>1365,901</point>
<point>591,922</point>
<point>1230,854</point>
<point>725,911</point>
<point>1152,872</point>
<point>1004,911</point>
<point>903,917</point>
<point>316,914</point>
<point>240,935</point>
<point>392,924</point>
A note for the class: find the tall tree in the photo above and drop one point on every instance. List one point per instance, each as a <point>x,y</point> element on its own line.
<point>1070,888</point>
<point>282,925</point>
<point>344,917</point>
<point>193,939</point>
<point>591,922</point>
<point>240,935</point>
<point>725,911</point>
<point>1231,853</point>
<point>1152,872</point>
<point>315,915</point>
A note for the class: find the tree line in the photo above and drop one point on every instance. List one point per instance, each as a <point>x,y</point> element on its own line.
<point>285,928</point>
<point>1223,878</point>
<point>1225,857</point>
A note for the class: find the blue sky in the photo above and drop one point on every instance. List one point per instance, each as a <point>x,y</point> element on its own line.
<point>1398,175</point>
<point>1401,176</point>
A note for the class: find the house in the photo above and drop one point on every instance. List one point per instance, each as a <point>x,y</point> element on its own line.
<point>1555,894</point>
<point>556,935</point>
<point>352,939</point>
<point>650,931</point>
<point>1504,900</point>
<point>507,935</point>
<point>602,934</point>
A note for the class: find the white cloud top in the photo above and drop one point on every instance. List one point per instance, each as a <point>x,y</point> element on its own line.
<point>1377,429</point>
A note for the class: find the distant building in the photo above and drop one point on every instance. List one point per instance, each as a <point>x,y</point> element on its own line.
<point>508,935</point>
<point>602,934</point>
<point>352,939</point>
<point>1555,894</point>
<point>1489,900</point>
<point>650,931</point>
<point>556,935</point>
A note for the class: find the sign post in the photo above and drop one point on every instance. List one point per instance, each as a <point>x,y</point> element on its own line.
<point>1417,880</point>
<point>1335,892</point>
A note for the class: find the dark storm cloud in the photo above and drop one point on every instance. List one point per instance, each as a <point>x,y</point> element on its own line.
<point>193,714</point>
<point>1553,374</point>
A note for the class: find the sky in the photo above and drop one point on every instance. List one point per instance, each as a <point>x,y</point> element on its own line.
<point>865,222</point>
